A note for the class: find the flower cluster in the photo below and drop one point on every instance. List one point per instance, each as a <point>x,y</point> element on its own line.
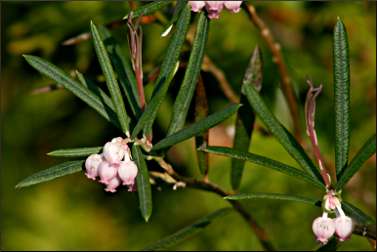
<point>215,7</point>
<point>325,227</point>
<point>113,166</point>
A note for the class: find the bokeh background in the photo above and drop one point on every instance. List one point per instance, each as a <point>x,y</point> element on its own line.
<point>75,213</point>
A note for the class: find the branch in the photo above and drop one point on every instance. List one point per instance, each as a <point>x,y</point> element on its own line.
<point>275,49</point>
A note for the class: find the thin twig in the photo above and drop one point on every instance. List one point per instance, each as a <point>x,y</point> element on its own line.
<point>275,49</point>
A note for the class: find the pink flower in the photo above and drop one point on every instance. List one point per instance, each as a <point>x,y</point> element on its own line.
<point>107,172</point>
<point>343,227</point>
<point>196,6</point>
<point>233,6</point>
<point>323,228</point>
<point>214,8</point>
<point>91,165</point>
<point>127,172</point>
<point>112,185</point>
<point>114,152</point>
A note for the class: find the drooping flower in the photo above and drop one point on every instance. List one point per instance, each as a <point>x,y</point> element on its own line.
<point>233,6</point>
<point>114,152</point>
<point>323,228</point>
<point>214,8</point>
<point>107,171</point>
<point>196,6</point>
<point>127,172</point>
<point>91,165</point>
<point>112,184</point>
<point>343,227</point>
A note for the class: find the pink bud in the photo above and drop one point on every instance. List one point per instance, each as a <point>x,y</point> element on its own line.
<point>112,185</point>
<point>196,6</point>
<point>127,172</point>
<point>91,165</point>
<point>113,152</point>
<point>106,172</point>
<point>214,8</point>
<point>323,228</point>
<point>233,6</point>
<point>343,227</point>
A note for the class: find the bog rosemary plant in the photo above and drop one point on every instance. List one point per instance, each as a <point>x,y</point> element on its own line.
<point>124,160</point>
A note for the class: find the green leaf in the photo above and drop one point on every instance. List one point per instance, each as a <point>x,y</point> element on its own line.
<point>196,128</point>
<point>368,149</point>
<point>171,58</point>
<point>67,82</point>
<point>341,70</point>
<point>51,173</point>
<point>282,134</point>
<point>187,232</point>
<point>356,214</point>
<point>273,196</point>
<point>153,106</point>
<point>95,89</point>
<point>186,91</point>
<point>264,161</point>
<point>75,152</point>
<point>246,117</point>
<point>332,245</point>
<point>123,69</point>
<point>111,81</point>
<point>143,185</point>
<point>148,9</point>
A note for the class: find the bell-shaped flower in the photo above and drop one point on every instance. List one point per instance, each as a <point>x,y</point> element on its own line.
<point>112,184</point>
<point>343,227</point>
<point>323,228</point>
<point>114,152</point>
<point>214,8</point>
<point>233,6</point>
<point>127,172</point>
<point>91,165</point>
<point>107,171</point>
<point>196,6</point>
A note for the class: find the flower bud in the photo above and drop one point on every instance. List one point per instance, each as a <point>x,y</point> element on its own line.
<point>196,6</point>
<point>106,172</point>
<point>323,228</point>
<point>127,172</point>
<point>91,165</point>
<point>114,152</point>
<point>112,185</point>
<point>343,227</point>
<point>233,6</point>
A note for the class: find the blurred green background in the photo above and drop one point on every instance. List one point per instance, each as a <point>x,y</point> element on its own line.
<point>75,213</point>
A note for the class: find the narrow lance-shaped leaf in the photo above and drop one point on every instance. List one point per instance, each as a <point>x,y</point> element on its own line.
<point>95,89</point>
<point>356,214</point>
<point>62,78</point>
<point>111,81</point>
<point>201,112</point>
<point>264,161</point>
<point>123,69</point>
<point>246,117</point>
<point>186,91</point>
<point>274,196</point>
<point>148,9</point>
<point>143,184</point>
<point>187,232</point>
<point>75,152</point>
<point>283,136</point>
<point>170,59</point>
<point>368,149</point>
<point>341,70</point>
<point>51,173</point>
<point>154,105</point>
<point>196,128</point>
